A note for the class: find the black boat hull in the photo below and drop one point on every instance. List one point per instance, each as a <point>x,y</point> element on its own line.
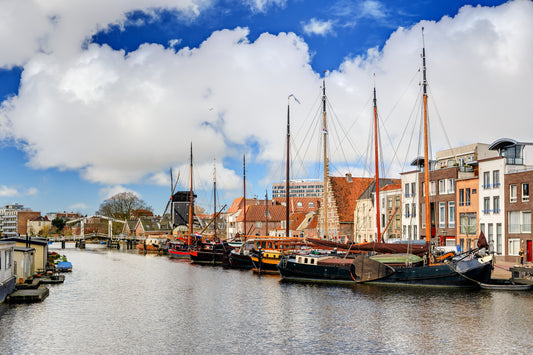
<point>290,270</point>
<point>467,274</point>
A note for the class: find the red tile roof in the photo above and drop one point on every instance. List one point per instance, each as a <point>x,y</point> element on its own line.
<point>391,187</point>
<point>257,213</point>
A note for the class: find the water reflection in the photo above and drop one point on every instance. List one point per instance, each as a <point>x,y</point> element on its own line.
<point>124,302</point>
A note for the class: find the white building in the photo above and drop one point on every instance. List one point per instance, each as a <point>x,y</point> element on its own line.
<point>7,265</point>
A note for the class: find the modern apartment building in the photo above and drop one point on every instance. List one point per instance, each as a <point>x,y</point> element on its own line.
<point>298,188</point>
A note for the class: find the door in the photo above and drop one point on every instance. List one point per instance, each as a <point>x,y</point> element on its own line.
<point>529,249</point>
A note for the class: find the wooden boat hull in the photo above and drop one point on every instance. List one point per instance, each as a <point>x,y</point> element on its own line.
<point>240,261</point>
<point>178,254</point>
<point>466,274</point>
<point>265,264</point>
<point>332,270</point>
<point>206,257</point>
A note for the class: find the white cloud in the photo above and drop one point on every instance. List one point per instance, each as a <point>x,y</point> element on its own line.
<point>264,5</point>
<point>6,191</point>
<point>61,27</point>
<point>318,27</point>
<point>371,8</point>
<point>78,207</point>
<point>31,191</point>
<point>110,191</point>
<point>120,118</point>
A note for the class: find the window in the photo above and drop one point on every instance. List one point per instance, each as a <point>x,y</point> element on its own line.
<point>311,204</point>
<point>432,187</point>
<point>514,222</point>
<point>413,189</point>
<point>496,204</point>
<point>451,214</point>
<point>467,197</point>
<point>486,180</point>
<point>514,246</point>
<point>451,186</point>
<point>299,204</point>
<point>461,197</point>
<point>413,209</point>
<point>512,193</point>
<point>490,235</point>
<point>468,223</point>
<point>519,222</point>
<point>258,224</point>
<point>415,233</point>
<point>398,221</point>
<point>407,210</point>
<point>482,228</point>
<point>486,205</point>
<point>423,213</point>
<point>525,192</point>
<point>389,202</point>
<point>442,214</point>
<point>442,187</point>
<point>499,238</point>
<point>512,154</point>
<point>397,202</point>
<point>496,178</point>
<point>526,222</point>
<point>407,190</point>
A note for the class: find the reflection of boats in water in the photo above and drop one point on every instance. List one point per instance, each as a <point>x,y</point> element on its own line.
<point>149,245</point>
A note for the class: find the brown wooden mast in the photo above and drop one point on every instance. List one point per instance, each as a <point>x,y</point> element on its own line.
<point>287,171</point>
<point>191,207</point>
<point>378,214</point>
<point>426,146</point>
<point>215,198</point>
<point>326,163</point>
<point>244,192</point>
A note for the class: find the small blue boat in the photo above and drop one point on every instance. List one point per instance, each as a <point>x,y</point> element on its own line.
<point>64,266</point>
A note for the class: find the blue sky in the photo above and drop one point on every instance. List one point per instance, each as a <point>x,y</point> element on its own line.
<point>105,97</point>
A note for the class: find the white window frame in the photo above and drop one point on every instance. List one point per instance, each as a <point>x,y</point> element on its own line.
<point>451,214</point>
<point>513,193</point>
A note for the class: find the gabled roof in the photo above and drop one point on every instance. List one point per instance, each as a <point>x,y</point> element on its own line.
<point>238,203</point>
<point>367,194</point>
<point>149,225</point>
<point>390,187</point>
<point>346,191</point>
<point>257,213</point>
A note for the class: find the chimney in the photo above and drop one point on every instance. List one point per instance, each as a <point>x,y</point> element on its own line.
<point>348,177</point>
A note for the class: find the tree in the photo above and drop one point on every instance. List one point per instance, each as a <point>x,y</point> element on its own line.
<point>59,224</point>
<point>122,205</point>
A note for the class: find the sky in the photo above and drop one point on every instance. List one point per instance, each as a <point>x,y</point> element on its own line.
<point>103,97</point>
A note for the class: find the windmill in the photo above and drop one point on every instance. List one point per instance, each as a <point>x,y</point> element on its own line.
<point>173,186</point>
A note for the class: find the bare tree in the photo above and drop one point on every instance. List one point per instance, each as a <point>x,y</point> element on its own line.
<point>122,205</point>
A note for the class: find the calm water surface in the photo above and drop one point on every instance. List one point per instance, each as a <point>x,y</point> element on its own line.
<point>117,302</point>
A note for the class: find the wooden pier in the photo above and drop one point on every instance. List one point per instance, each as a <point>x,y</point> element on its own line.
<point>28,295</point>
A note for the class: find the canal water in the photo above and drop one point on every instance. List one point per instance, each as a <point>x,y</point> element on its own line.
<point>121,302</point>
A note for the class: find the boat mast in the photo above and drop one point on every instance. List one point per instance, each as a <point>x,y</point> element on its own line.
<point>287,172</point>
<point>426,145</point>
<point>326,164</point>
<point>215,197</point>
<point>378,217</point>
<point>191,207</point>
<point>244,192</point>
<point>266,212</point>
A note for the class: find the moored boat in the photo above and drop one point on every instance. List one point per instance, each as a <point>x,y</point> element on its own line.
<point>178,249</point>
